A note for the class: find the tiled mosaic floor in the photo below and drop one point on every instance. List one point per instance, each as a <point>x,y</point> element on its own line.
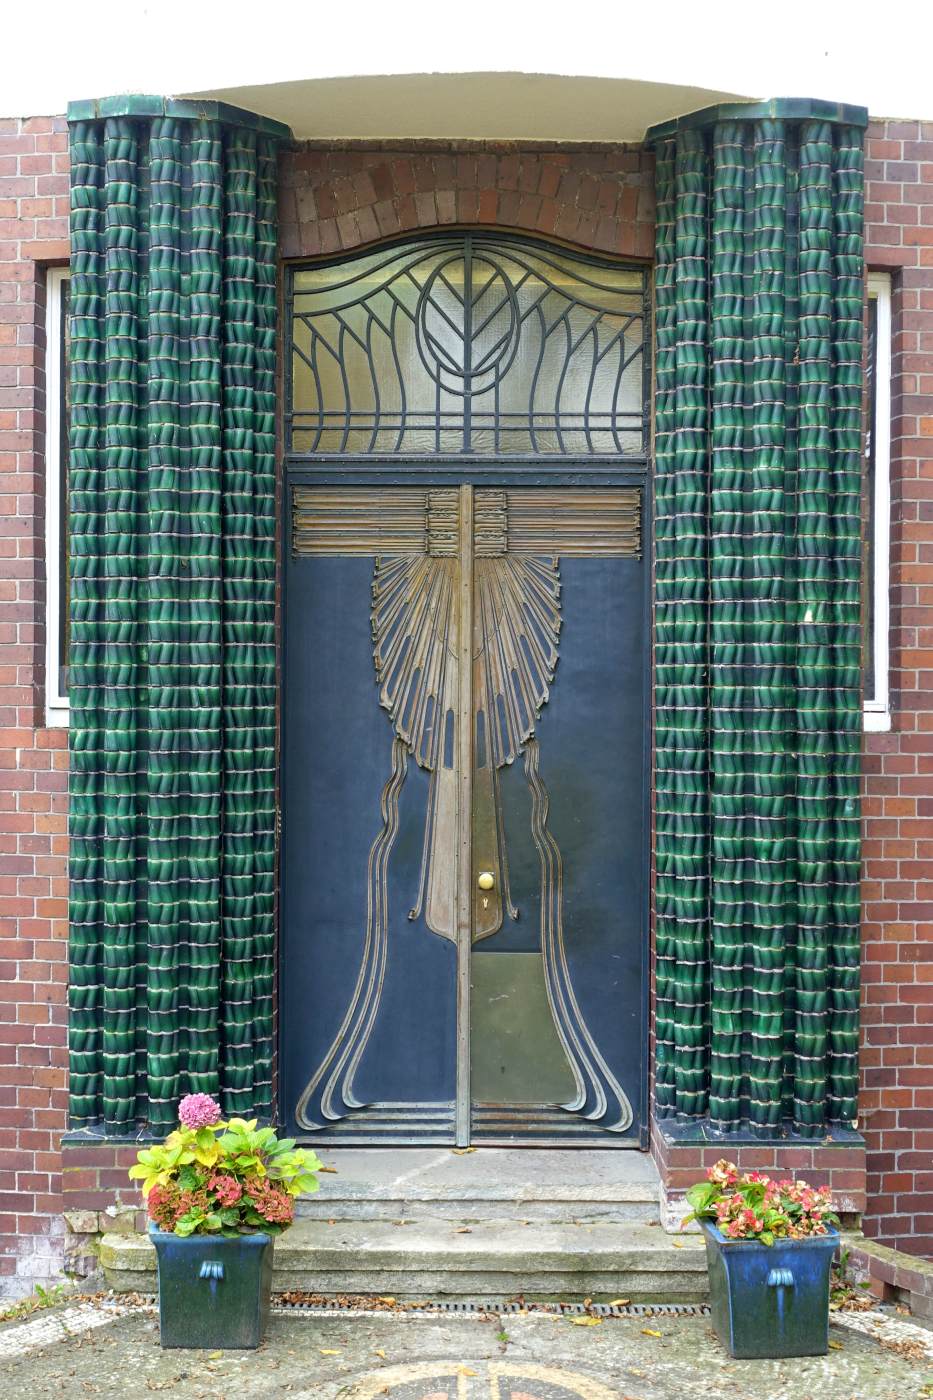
<point>489,1380</point>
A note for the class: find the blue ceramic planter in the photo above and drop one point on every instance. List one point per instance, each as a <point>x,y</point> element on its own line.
<point>770,1301</point>
<point>213,1292</point>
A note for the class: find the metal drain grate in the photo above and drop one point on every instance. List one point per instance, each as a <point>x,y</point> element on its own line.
<point>322,1307</point>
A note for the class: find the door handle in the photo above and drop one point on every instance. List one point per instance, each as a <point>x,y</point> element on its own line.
<point>486,880</point>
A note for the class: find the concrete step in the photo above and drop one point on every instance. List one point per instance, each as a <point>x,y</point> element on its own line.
<point>486,1184</point>
<point>434,1260</point>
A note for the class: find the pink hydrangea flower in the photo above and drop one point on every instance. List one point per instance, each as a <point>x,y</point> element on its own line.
<point>198,1111</point>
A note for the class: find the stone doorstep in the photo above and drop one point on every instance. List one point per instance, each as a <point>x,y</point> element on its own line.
<point>490,1183</point>
<point>494,1260</point>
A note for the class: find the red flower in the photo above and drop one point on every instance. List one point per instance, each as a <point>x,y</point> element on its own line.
<point>271,1202</point>
<point>164,1206</point>
<point>226,1188</point>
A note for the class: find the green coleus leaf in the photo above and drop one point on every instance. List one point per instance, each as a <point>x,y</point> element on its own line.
<point>190,1222</point>
<point>702,1196</point>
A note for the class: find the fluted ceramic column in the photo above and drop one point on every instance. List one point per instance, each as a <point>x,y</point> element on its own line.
<point>759,301</point>
<point>173,645</point>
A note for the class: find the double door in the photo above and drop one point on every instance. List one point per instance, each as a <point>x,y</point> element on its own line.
<point>464,855</point>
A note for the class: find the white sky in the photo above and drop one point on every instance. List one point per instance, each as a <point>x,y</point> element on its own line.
<point>67,49</point>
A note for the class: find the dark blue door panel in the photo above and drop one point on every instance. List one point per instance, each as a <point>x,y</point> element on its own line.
<point>367,990</point>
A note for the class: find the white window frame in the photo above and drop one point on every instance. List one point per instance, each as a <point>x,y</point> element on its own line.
<point>56,703</point>
<point>877,707</point>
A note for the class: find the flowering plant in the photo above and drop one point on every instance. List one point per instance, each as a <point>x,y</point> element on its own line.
<point>751,1206</point>
<point>225,1178</point>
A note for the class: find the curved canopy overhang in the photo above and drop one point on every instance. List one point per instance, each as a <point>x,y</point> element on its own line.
<point>491,106</point>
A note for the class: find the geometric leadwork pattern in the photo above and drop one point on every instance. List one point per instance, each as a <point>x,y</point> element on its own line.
<point>759,323</point>
<point>172,616</point>
<point>468,343</point>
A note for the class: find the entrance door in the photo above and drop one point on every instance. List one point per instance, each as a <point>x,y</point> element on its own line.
<point>464,848</point>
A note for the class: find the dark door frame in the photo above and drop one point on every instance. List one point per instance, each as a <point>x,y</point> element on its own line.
<point>505,470</point>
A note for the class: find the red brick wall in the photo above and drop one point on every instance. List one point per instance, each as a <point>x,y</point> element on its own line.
<point>897,1003</point>
<point>33,759</point>
<point>840,1166</point>
<point>332,199</point>
<point>896,1100</point>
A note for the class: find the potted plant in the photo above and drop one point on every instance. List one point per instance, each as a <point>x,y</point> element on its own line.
<point>769,1251</point>
<point>217,1193</point>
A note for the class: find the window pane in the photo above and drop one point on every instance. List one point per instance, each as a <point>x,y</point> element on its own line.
<point>468,343</point>
<point>64,621</point>
<point>868,502</point>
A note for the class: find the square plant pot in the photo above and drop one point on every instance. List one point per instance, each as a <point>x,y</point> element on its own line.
<point>213,1292</point>
<point>770,1300</point>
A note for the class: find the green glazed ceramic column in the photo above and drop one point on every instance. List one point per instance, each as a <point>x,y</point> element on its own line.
<point>759,321</point>
<point>173,645</point>
<point>682,643</point>
<point>727,528</point>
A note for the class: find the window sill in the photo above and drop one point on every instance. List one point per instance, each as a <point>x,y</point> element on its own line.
<point>57,714</point>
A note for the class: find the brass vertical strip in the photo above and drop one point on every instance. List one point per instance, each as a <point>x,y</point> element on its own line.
<point>465,813</point>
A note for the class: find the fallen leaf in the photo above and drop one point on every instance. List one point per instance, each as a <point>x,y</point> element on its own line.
<point>328,1351</point>
<point>650,1332</point>
<point>620,1302</point>
<point>462,1152</point>
<point>678,1244</point>
<point>588,1322</point>
<point>216,1356</point>
<point>465,1370</point>
<point>463,1230</point>
<point>835,1346</point>
<point>386,1300</point>
<point>380,1352</point>
<point>329,1169</point>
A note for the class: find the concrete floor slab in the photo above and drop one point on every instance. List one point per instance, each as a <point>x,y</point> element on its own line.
<point>398,1357</point>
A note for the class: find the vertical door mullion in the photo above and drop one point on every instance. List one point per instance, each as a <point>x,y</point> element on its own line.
<point>465,812</point>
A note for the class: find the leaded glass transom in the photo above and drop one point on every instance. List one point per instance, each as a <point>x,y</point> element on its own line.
<point>468,343</point>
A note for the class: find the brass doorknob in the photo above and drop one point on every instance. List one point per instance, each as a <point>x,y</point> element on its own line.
<point>486,880</point>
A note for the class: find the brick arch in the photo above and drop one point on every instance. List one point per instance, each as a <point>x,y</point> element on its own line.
<point>337,200</point>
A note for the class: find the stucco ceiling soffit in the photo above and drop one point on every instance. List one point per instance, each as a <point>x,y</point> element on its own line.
<point>470,106</point>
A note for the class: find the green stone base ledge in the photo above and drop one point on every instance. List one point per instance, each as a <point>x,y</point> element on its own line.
<point>683,1151</point>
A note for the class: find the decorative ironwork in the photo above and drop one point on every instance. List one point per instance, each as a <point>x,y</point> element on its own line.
<point>484,565</point>
<point>471,344</point>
